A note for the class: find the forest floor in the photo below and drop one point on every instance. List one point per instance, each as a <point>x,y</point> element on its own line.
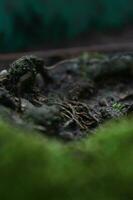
<point>85,92</point>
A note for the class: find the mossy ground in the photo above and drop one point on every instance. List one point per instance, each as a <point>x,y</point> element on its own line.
<point>99,167</point>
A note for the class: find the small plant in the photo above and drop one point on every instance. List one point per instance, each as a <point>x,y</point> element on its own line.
<point>118,106</point>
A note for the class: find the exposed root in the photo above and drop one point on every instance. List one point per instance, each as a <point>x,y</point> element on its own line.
<point>78,112</point>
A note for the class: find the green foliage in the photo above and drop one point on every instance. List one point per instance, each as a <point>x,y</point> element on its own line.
<point>118,106</point>
<point>98,167</point>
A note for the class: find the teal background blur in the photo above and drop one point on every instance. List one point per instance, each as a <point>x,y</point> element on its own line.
<point>29,24</point>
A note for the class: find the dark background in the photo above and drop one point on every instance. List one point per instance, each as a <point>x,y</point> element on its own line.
<point>48,24</point>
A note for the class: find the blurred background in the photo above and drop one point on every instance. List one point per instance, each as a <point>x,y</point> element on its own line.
<point>27,25</point>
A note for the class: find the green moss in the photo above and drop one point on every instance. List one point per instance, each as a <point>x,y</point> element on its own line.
<point>99,167</point>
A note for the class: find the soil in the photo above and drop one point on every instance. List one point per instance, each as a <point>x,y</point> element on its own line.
<point>84,93</point>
